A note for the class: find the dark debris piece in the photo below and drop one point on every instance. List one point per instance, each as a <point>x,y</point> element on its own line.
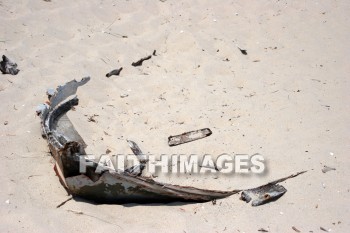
<point>137,169</point>
<point>266,193</point>
<point>137,152</point>
<point>92,118</point>
<point>114,72</point>
<point>8,67</point>
<point>50,92</point>
<point>243,51</point>
<point>263,230</point>
<point>139,62</point>
<point>263,194</point>
<point>327,169</point>
<point>188,137</point>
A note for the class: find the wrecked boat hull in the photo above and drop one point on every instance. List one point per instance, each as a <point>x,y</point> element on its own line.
<point>129,186</point>
<point>122,188</point>
<point>111,186</point>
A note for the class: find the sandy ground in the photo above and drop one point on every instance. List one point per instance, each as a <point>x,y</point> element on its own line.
<point>287,100</point>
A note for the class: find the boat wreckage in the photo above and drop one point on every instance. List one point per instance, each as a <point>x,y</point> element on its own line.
<point>111,185</point>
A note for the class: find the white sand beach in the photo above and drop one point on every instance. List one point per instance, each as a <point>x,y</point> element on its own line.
<point>287,99</point>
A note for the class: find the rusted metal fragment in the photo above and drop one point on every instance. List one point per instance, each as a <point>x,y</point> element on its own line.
<point>266,193</point>
<point>189,137</point>
<point>109,186</point>
<point>7,66</point>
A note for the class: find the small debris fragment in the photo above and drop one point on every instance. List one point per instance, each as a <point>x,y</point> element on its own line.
<point>323,229</point>
<point>7,202</point>
<point>154,53</point>
<point>40,109</point>
<point>8,67</point>
<point>331,153</point>
<point>266,193</point>
<point>188,137</point>
<point>327,169</point>
<point>115,34</point>
<point>137,152</point>
<point>257,60</point>
<point>108,151</point>
<point>92,118</point>
<point>250,95</point>
<point>6,123</point>
<point>114,72</point>
<point>50,92</point>
<point>327,106</point>
<point>124,95</point>
<point>92,216</point>
<point>139,62</point>
<point>263,230</point>
<point>76,212</point>
<point>106,133</point>
<point>243,51</point>
<point>295,229</point>
<point>64,202</point>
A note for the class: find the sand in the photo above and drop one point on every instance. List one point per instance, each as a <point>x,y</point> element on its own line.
<point>286,100</point>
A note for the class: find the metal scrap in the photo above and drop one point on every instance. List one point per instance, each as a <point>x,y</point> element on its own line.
<point>266,193</point>
<point>7,66</point>
<point>189,137</point>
